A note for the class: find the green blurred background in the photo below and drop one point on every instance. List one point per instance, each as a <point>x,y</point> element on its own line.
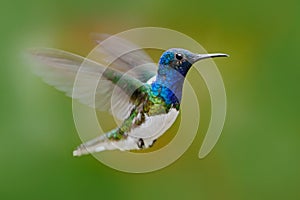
<point>257,156</point>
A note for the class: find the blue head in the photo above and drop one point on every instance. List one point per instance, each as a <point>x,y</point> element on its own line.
<point>173,67</point>
<point>176,60</point>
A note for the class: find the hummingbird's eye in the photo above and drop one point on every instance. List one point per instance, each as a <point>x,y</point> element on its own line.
<point>178,56</point>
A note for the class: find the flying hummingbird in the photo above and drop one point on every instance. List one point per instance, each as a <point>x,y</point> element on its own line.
<point>148,99</point>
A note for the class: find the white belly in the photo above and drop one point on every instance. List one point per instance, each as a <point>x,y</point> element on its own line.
<point>154,127</point>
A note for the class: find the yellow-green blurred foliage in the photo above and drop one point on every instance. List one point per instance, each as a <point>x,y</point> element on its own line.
<point>257,156</point>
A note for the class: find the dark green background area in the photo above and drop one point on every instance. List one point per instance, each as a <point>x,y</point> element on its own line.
<point>257,156</point>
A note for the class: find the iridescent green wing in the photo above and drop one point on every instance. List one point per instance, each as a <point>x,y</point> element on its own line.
<point>89,82</point>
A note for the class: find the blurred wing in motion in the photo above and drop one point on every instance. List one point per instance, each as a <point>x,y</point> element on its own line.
<point>125,56</point>
<point>59,69</point>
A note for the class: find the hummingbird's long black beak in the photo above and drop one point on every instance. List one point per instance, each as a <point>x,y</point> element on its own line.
<point>198,57</point>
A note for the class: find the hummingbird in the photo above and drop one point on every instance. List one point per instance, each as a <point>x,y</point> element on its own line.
<point>148,99</point>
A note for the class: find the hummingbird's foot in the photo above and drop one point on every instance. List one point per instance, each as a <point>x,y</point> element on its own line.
<point>141,143</point>
<point>151,145</point>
